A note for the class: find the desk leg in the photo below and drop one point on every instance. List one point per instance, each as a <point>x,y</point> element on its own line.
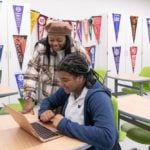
<point>116,87</point>
<point>141,89</point>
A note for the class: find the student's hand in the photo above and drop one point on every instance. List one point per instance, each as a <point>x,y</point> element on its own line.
<point>28,106</point>
<point>47,116</point>
<point>57,119</point>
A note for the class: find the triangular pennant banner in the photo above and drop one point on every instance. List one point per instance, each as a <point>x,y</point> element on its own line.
<point>91,52</point>
<point>133,20</point>
<point>34,16</point>
<point>19,79</point>
<point>116,53</point>
<point>148,27</point>
<point>74,29</point>
<point>96,22</point>
<point>1,51</point>
<point>20,44</point>
<point>41,25</point>
<point>133,53</point>
<point>86,29</point>
<point>116,20</point>
<point>0,75</point>
<point>92,55</point>
<point>79,30</point>
<point>0,5</point>
<point>90,28</point>
<point>18,11</point>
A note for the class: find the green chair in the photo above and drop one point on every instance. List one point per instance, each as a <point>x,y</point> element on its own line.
<point>136,134</point>
<point>145,72</point>
<point>102,74</point>
<point>15,106</point>
<point>122,135</point>
<point>21,101</point>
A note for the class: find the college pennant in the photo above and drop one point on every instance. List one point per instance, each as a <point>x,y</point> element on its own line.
<point>90,28</point>
<point>148,27</point>
<point>91,50</point>
<point>133,53</point>
<point>20,44</point>
<point>74,29</point>
<point>116,20</point>
<point>133,20</point>
<point>18,11</point>
<point>19,79</point>
<point>96,22</point>
<point>86,29</point>
<point>34,16</point>
<point>79,30</point>
<point>0,75</point>
<point>116,53</point>
<point>1,51</point>
<point>0,5</point>
<point>41,25</point>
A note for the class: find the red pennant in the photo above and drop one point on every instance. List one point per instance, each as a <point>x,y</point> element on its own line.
<point>41,25</point>
<point>20,44</point>
<point>96,22</point>
<point>133,20</point>
<point>133,53</point>
<point>86,29</point>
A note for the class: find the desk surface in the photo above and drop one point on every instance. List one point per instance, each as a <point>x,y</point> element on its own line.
<point>12,137</point>
<point>136,106</point>
<point>128,77</point>
<point>6,91</point>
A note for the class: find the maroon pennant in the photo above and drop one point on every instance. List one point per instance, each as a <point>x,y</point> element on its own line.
<point>20,44</point>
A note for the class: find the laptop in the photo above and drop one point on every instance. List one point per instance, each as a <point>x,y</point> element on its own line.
<point>36,129</point>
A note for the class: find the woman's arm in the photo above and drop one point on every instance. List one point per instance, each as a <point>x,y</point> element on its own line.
<point>31,76</point>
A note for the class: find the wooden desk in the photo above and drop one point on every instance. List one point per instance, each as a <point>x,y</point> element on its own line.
<point>128,78</point>
<point>12,137</point>
<point>6,91</point>
<point>135,109</point>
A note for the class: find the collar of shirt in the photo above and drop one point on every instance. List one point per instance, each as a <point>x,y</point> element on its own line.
<point>75,108</point>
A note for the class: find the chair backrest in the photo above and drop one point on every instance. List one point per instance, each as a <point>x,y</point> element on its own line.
<point>15,106</point>
<point>122,134</point>
<point>145,72</point>
<point>102,74</point>
<point>115,106</point>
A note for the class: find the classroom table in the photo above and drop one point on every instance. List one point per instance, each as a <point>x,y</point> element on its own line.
<point>135,109</point>
<point>128,78</point>
<point>12,137</point>
<point>6,91</point>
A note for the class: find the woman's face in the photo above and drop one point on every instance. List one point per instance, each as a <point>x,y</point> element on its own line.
<point>71,83</point>
<point>57,42</point>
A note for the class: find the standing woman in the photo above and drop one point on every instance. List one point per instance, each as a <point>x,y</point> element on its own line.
<point>47,55</point>
<point>88,111</point>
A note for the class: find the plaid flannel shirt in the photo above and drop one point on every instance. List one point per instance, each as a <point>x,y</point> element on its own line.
<point>39,70</point>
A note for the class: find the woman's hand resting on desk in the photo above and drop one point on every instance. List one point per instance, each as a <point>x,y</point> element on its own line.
<point>47,116</point>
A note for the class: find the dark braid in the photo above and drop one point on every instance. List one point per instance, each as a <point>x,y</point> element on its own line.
<point>77,64</point>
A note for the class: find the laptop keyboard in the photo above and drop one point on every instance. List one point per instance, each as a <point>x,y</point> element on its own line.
<point>42,131</point>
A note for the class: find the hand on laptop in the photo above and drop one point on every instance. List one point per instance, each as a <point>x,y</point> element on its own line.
<point>47,116</point>
<point>55,120</point>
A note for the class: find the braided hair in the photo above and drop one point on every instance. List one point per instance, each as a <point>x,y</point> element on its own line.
<point>77,64</point>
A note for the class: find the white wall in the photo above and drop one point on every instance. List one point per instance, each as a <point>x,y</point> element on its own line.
<point>84,9</point>
<point>80,9</point>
